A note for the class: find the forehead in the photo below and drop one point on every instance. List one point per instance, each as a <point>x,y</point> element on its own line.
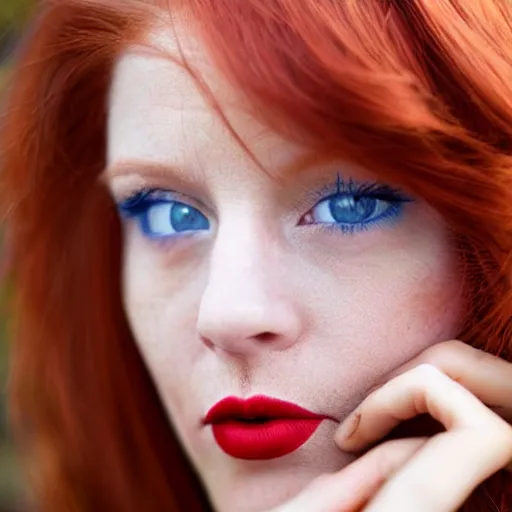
<point>165,63</point>
<point>158,110</point>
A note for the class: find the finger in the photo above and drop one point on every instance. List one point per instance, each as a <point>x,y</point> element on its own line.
<point>423,390</point>
<point>351,488</point>
<point>439,478</point>
<point>488,377</point>
<point>478,443</point>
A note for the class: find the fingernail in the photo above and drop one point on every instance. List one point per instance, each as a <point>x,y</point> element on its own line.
<point>349,426</point>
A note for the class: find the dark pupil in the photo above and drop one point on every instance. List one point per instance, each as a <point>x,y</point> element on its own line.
<point>185,218</point>
<point>352,209</point>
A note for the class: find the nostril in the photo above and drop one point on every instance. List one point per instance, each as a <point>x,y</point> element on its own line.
<point>266,336</point>
<point>207,342</point>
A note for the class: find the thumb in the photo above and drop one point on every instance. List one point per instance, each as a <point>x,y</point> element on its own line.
<point>351,488</point>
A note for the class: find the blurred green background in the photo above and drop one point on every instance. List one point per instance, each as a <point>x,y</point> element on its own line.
<point>13,17</point>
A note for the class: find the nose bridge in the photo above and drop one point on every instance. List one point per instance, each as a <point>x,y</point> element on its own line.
<point>240,268</point>
<point>238,252</point>
<point>245,306</point>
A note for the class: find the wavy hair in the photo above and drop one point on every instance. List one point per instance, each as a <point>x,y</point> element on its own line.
<point>420,92</point>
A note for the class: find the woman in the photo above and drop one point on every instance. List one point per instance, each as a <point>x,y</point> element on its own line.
<point>251,238</point>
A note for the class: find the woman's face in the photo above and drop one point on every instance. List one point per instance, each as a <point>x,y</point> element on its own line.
<point>306,284</point>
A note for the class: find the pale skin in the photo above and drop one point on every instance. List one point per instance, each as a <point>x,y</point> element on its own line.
<point>452,382</point>
<point>265,299</point>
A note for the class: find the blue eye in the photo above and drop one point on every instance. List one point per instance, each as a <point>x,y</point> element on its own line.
<point>161,216</point>
<point>354,207</point>
<point>348,209</point>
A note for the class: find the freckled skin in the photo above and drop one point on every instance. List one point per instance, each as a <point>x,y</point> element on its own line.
<point>339,310</point>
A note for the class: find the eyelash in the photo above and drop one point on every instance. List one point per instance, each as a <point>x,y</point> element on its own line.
<point>138,204</point>
<point>351,189</point>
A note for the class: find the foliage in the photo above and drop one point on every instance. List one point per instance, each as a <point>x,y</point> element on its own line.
<point>11,488</point>
<point>14,13</point>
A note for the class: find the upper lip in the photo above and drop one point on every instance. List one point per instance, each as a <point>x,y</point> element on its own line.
<point>257,407</point>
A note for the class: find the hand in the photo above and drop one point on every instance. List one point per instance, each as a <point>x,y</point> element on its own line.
<point>438,474</point>
<point>489,378</point>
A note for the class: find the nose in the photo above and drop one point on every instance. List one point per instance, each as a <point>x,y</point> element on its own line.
<point>246,306</point>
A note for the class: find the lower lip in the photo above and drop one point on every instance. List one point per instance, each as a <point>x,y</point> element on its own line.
<point>263,441</point>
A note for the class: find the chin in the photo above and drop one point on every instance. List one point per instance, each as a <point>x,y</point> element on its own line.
<point>236,485</point>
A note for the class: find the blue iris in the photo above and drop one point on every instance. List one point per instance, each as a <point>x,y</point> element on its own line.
<point>355,207</point>
<point>161,216</point>
<point>351,208</point>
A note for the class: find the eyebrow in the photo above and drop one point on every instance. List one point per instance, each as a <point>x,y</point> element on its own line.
<point>141,167</point>
<point>159,170</point>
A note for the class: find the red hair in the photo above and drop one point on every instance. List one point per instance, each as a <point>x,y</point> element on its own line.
<point>418,91</point>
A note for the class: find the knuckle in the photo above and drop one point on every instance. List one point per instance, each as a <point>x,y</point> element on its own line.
<point>392,455</point>
<point>423,379</point>
<point>426,371</point>
<point>506,434</point>
<point>502,438</point>
<point>482,357</point>
<point>499,431</point>
<point>442,353</point>
<point>383,459</point>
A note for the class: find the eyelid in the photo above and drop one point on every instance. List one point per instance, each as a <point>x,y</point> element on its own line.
<point>366,189</point>
<point>151,194</point>
<point>311,197</point>
<point>138,193</point>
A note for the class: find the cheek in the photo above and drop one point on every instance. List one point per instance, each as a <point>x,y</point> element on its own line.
<point>416,303</point>
<point>161,304</point>
<point>384,309</point>
<point>402,286</point>
<point>425,308</point>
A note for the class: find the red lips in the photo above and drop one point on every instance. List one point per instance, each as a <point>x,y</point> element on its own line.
<point>260,427</point>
